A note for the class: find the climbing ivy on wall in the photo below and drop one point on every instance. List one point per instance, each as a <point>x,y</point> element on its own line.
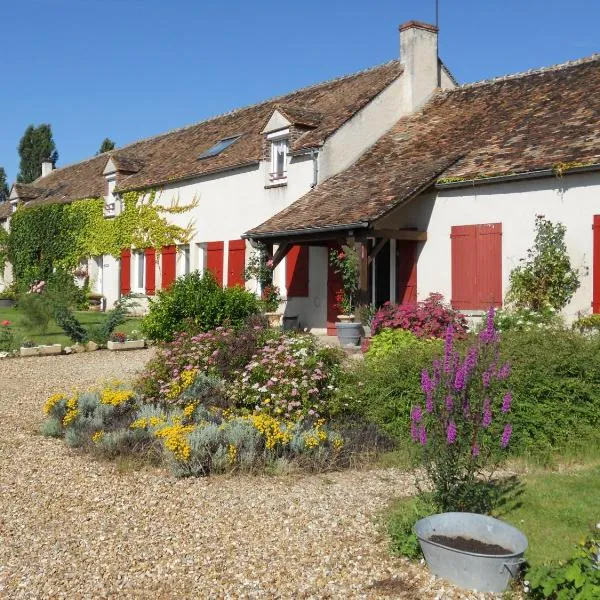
<point>52,236</point>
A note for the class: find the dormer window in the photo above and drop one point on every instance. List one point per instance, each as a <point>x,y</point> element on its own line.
<point>279,156</point>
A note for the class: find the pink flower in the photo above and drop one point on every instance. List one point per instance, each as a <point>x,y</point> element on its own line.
<point>5,323</point>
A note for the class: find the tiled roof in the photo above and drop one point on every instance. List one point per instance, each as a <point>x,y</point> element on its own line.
<point>174,155</point>
<point>517,124</point>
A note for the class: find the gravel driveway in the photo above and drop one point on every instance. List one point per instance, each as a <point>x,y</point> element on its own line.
<point>72,527</point>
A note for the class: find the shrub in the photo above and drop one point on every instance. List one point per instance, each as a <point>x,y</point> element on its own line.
<point>587,324</point>
<point>524,319</point>
<point>7,337</point>
<point>579,577</point>
<point>392,341</point>
<point>404,515</point>
<point>556,385</point>
<point>200,302</point>
<point>429,318</point>
<point>463,427</point>
<point>545,277</point>
<point>288,376</point>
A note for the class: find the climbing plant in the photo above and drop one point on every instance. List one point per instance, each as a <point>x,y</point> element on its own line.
<point>51,236</point>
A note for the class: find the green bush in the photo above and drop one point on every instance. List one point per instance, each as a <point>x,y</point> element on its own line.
<point>587,324</point>
<point>403,517</point>
<point>390,341</point>
<point>579,577</point>
<point>555,381</point>
<point>197,301</point>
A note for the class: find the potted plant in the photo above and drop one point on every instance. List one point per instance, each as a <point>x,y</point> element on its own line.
<point>462,429</point>
<point>121,341</point>
<point>271,299</point>
<point>346,263</point>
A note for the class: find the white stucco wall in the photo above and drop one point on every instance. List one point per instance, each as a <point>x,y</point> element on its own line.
<point>572,200</point>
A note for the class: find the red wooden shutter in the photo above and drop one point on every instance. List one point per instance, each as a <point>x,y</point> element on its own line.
<point>464,266</point>
<point>489,265</point>
<point>296,272</point>
<point>169,256</point>
<point>406,264</point>
<point>125,271</point>
<point>596,266</point>
<point>214,260</point>
<point>236,262</point>
<point>150,271</point>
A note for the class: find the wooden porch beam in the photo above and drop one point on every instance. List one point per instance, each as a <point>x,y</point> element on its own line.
<point>280,254</point>
<point>377,248</point>
<point>400,234</point>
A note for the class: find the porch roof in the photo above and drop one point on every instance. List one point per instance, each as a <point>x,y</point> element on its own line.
<point>540,121</point>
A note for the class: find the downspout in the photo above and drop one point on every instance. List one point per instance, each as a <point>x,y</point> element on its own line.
<point>314,154</point>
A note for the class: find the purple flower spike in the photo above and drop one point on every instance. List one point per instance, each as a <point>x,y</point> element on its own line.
<point>486,377</point>
<point>489,335</point>
<point>475,449</point>
<point>451,433</point>
<point>504,371</point>
<point>429,404</point>
<point>414,432</point>
<point>459,380</point>
<point>426,382</point>
<point>506,401</point>
<point>487,413</point>
<point>422,435</point>
<point>506,435</point>
<point>416,414</point>
<point>449,402</point>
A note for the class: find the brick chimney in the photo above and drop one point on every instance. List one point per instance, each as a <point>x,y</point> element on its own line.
<point>419,56</point>
<point>47,167</point>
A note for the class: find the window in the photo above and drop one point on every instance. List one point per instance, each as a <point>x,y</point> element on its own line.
<point>476,266</point>
<point>221,145</point>
<point>139,271</point>
<point>279,159</point>
<point>183,260</point>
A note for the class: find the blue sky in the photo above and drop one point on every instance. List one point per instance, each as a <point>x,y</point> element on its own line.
<point>128,69</point>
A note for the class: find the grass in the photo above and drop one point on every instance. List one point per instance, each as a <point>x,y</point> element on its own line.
<point>55,334</point>
<point>556,510</point>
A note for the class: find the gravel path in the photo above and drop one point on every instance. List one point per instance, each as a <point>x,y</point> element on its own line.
<point>72,527</point>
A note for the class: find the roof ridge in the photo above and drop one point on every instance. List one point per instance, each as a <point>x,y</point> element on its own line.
<point>230,112</point>
<point>538,71</point>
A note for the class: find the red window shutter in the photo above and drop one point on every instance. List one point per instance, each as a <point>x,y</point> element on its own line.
<point>596,266</point>
<point>214,260</point>
<point>296,272</point>
<point>169,256</point>
<point>236,262</point>
<point>125,271</point>
<point>150,271</point>
<point>406,264</point>
<point>489,265</point>
<point>464,266</point>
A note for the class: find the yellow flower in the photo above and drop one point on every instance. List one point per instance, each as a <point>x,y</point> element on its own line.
<point>232,451</point>
<point>139,423</point>
<point>115,397</point>
<point>274,431</point>
<point>338,443</point>
<point>188,411</point>
<point>52,402</point>
<point>175,439</point>
<point>181,384</point>
<point>97,437</point>
<point>72,411</point>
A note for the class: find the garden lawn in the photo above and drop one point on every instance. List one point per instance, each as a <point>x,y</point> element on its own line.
<point>557,510</point>
<point>55,334</point>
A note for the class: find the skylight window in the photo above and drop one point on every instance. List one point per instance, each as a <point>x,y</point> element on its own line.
<point>219,146</point>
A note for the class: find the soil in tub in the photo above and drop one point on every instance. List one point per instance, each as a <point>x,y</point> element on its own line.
<point>469,545</point>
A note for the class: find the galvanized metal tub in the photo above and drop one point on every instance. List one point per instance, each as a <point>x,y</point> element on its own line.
<point>481,572</point>
<point>349,334</point>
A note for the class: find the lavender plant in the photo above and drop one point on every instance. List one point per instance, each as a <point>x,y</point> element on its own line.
<point>463,426</point>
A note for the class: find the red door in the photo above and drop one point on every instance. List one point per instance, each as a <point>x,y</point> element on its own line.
<point>236,262</point>
<point>334,289</point>
<point>125,271</point>
<point>596,266</point>
<point>406,265</point>
<point>214,260</point>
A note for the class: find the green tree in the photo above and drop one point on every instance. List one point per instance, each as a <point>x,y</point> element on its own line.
<point>106,146</point>
<point>4,191</point>
<point>545,278</point>
<point>35,146</point>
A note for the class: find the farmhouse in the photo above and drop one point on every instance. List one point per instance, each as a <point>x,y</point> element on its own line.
<point>438,184</point>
